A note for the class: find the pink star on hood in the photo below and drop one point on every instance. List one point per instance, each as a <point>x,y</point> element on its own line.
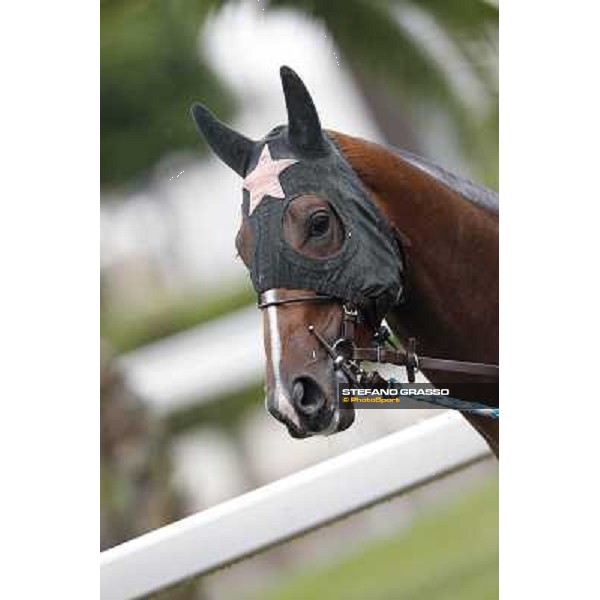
<point>264,178</point>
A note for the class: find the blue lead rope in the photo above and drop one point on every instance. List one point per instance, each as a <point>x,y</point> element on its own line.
<point>462,405</point>
<point>448,402</point>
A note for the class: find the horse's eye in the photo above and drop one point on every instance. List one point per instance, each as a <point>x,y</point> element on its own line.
<point>319,223</point>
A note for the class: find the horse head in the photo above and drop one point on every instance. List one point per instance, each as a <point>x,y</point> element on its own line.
<point>321,257</point>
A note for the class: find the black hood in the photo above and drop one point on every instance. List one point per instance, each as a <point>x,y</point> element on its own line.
<point>302,159</point>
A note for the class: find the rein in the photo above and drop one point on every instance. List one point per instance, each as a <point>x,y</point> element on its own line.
<point>346,356</point>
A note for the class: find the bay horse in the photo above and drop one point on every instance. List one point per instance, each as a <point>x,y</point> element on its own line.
<point>338,232</point>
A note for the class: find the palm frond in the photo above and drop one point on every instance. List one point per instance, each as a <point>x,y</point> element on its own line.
<point>384,53</point>
<point>462,17</point>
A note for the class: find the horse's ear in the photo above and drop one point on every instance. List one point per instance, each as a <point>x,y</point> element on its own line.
<point>231,147</point>
<point>304,127</point>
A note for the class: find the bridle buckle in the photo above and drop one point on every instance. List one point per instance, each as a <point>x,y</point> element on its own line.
<point>412,360</point>
<point>344,347</point>
<point>350,311</point>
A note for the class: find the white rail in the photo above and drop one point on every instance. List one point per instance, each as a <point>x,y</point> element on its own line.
<point>289,507</point>
<point>195,365</point>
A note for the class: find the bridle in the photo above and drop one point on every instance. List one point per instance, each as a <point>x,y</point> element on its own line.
<point>347,357</point>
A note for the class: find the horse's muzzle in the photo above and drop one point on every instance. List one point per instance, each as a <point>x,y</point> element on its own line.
<point>314,411</point>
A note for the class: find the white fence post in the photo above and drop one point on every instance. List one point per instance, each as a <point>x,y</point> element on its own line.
<point>289,507</point>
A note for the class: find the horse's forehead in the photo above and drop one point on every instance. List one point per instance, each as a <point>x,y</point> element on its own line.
<point>277,142</point>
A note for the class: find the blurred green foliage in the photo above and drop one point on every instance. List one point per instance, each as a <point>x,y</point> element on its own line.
<point>450,553</point>
<point>129,330</point>
<point>151,71</point>
<point>370,35</point>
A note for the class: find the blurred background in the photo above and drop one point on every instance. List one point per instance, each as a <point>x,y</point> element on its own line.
<point>183,424</point>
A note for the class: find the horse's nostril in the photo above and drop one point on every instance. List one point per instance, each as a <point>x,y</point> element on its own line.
<point>298,391</point>
<point>307,396</point>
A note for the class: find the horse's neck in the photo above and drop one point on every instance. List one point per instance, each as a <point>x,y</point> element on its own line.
<point>451,248</point>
